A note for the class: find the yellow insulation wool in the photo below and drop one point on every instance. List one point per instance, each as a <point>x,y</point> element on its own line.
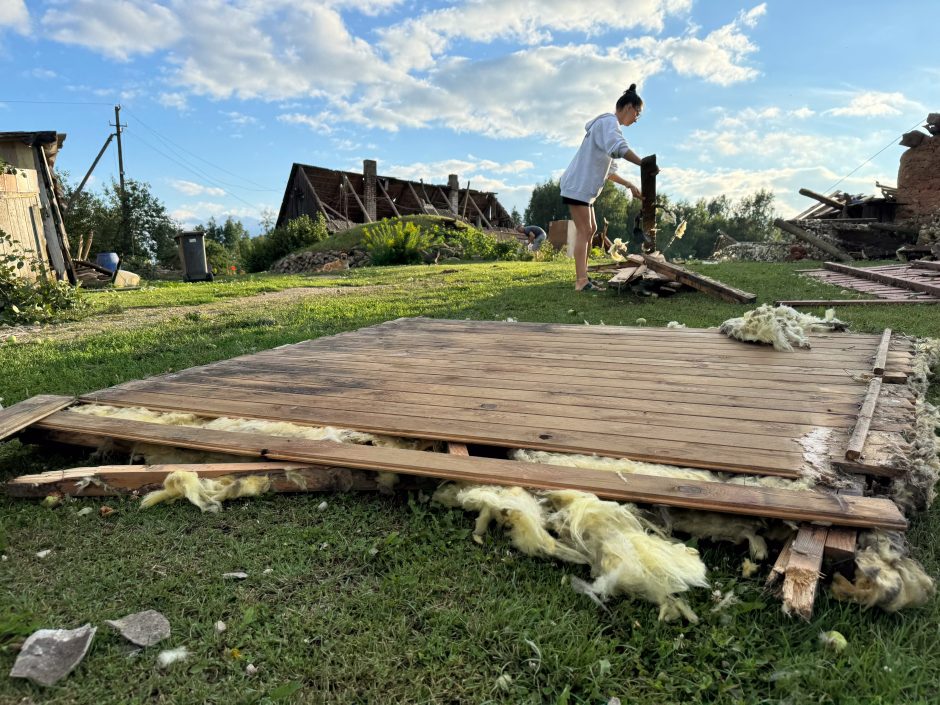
<point>781,326</point>
<point>885,576</point>
<point>206,493</point>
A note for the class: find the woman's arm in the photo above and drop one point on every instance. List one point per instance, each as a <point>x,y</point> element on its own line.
<point>632,157</point>
<point>617,179</point>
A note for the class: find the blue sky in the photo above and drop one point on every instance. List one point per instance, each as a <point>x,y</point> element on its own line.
<point>221,96</point>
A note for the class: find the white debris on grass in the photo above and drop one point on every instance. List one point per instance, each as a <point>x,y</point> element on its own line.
<point>171,656</point>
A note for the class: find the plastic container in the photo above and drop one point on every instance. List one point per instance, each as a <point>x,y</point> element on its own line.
<point>192,248</point>
<point>107,260</point>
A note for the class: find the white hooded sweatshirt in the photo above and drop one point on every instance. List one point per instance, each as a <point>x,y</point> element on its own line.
<point>603,142</point>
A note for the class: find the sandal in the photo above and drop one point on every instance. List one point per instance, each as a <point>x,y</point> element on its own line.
<point>592,286</point>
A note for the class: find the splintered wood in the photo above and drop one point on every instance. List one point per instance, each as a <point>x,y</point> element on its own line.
<point>686,397</point>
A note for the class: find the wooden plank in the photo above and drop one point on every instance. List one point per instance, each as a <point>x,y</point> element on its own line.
<point>111,480</point>
<point>926,264</point>
<point>829,303</point>
<point>831,202</point>
<point>901,282</point>
<point>779,568</point>
<point>699,281</point>
<point>647,443</point>
<point>860,432</point>
<point>803,570</point>
<point>841,541</point>
<point>455,448</point>
<point>881,354</point>
<point>714,496</point>
<point>17,417</point>
<point>817,242</point>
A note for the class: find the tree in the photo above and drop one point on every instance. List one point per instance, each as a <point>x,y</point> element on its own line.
<point>515,216</point>
<point>545,205</point>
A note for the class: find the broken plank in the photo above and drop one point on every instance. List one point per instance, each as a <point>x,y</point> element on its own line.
<point>863,423</point>
<point>925,264</point>
<point>803,570</point>
<point>881,354</point>
<point>17,417</point>
<point>700,281</point>
<point>831,202</point>
<point>780,565</point>
<point>828,303</point>
<point>876,276</point>
<point>455,448</point>
<point>711,496</point>
<point>841,541</point>
<point>110,480</point>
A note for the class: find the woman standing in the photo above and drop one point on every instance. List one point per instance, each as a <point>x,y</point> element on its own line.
<point>584,178</point>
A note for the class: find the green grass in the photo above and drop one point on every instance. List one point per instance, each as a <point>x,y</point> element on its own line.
<point>431,616</point>
<point>353,237</point>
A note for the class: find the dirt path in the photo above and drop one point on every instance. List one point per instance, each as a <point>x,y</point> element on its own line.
<point>135,318</point>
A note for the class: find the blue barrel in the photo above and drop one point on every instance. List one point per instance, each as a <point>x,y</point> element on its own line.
<point>107,260</point>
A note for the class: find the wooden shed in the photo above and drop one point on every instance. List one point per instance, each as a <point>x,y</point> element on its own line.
<point>346,198</point>
<point>29,204</point>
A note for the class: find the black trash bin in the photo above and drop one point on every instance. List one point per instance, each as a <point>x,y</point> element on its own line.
<point>192,247</point>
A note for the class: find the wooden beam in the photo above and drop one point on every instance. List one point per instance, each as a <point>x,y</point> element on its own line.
<point>17,417</point>
<point>881,354</point>
<point>699,281</point>
<point>817,242</point>
<point>925,264</point>
<point>648,171</point>
<point>49,183</point>
<point>712,496</point>
<point>111,480</point>
<point>893,228</point>
<point>480,213</point>
<point>860,433</point>
<point>365,213</point>
<point>854,302</point>
<point>831,202</point>
<point>802,573</point>
<point>313,192</point>
<point>388,198</point>
<point>901,282</point>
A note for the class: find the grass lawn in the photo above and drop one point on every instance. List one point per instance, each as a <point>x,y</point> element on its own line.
<point>387,599</point>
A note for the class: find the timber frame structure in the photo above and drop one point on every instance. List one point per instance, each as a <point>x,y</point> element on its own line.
<point>347,199</point>
<point>31,204</point>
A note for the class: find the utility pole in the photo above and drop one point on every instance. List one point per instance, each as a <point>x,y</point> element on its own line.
<point>120,149</point>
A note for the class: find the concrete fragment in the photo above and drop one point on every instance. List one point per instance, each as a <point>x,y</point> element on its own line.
<point>50,654</point>
<point>142,628</point>
<point>238,575</point>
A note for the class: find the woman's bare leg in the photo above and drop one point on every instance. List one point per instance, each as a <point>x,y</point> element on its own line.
<point>583,217</point>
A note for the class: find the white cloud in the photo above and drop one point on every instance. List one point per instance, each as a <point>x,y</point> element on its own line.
<point>317,123</point>
<point>192,213</point>
<point>191,188</point>
<point>173,100</point>
<point>116,28</point>
<point>13,14</point>
<point>42,73</point>
<point>237,118</point>
<point>877,104</point>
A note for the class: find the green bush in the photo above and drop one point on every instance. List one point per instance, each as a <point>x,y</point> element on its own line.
<point>25,301</point>
<point>389,242</point>
<point>220,259</point>
<point>477,244</point>
<point>263,251</point>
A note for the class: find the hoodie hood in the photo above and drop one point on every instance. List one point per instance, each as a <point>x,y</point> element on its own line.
<point>590,123</point>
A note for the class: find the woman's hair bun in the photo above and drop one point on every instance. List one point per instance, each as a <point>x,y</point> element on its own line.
<point>631,89</point>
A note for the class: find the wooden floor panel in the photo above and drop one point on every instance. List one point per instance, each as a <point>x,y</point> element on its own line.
<point>689,397</point>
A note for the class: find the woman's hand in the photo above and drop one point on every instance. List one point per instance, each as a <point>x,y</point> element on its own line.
<point>635,191</point>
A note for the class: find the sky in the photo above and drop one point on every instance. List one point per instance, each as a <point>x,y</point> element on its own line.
<point>220,97</point>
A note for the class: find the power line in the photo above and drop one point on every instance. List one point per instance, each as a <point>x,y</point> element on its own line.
<point>893,140</point>
<point>185,166</point>
<point>56,102</point>
<point>179,148</point>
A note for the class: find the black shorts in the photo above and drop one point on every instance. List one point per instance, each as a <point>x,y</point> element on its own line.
<point>573,202</point>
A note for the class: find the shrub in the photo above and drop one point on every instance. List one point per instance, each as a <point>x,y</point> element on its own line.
<point>477,244</point>
<point>25,301</point>
<point>263,251</point>
<point>397,243</point>
<point>220,259</point>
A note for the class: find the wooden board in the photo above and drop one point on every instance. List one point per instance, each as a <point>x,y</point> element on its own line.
<point>904,277</point>
<point>17,417</point>
<point>830,303</point>
<point>803,570</point>
<point>711,496</point>
<point>686,397</point>
<point>700,281</point>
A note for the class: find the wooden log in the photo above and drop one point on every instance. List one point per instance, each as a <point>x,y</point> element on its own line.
<point>817,242</point>
<point>648,171</point>
<point>893,228</point>
<point>711,496</point>
<point>881,354</point>
<point>802,572</point>
<point>872,275</point>
<point>699,281</point>
<point>831,202</point>
<point>860,433</point>
<point>111,480</point>
<point>925,264</point>
<point>853,302</point>
<point>22,414</point>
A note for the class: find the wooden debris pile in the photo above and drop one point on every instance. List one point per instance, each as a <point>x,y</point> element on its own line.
<point>735,413</point>
<point>651,274</point>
